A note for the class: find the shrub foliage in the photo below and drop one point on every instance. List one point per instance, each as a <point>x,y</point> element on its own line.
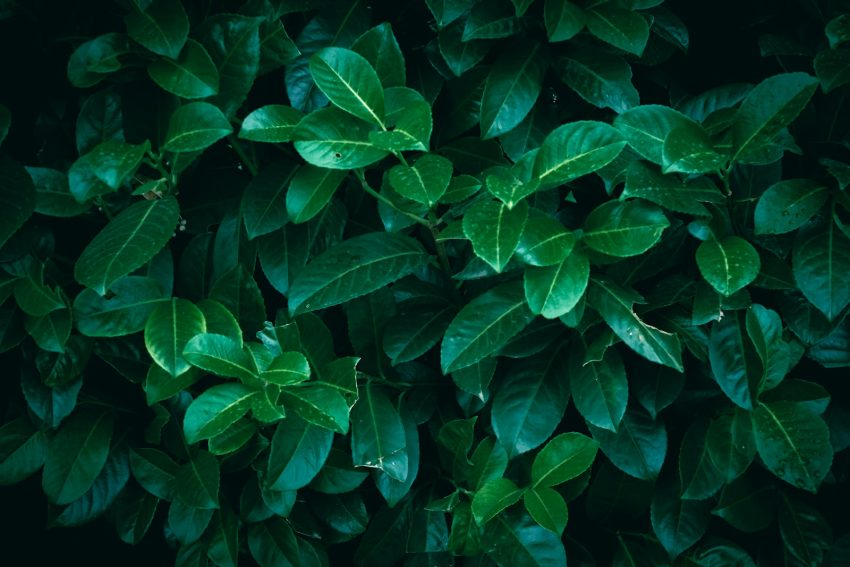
<point>303,282</point>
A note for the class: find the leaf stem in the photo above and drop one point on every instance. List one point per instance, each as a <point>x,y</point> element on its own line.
<point>363,183</point>
<point>249,163</point>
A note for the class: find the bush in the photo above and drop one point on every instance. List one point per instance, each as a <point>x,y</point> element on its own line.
<point>309,283</point>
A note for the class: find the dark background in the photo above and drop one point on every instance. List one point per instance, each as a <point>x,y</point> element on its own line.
<point>33,58</point>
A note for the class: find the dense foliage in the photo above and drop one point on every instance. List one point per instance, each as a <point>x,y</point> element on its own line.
<point>435,283</point>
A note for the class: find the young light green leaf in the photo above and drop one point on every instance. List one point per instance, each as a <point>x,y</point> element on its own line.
<point>793,443</point>
<point>512,88</point>
<point>484,326</point>
<point>161,26</point>
<point>215,410</point>
<point>565,457</point>
<point>495,230</point>
<point>355,267</point>
<point>75,455</point>
<point>552,291</point>
<point>271,123</point>
<point>624,228</point>
<point>492,498</point>
<point>615,305</point>
<point>771,106</point>
<point>576,149</point>
<point>220,355</point>
<point>132,238</point>
<point>332,139</point>
<point>190,75</point>
<point>377,435</point>
<point>788,205</point>
<point>167,331</point>
<point>729,264</point>
<point>350,82</point>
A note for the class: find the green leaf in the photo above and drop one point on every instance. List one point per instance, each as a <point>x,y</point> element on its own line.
<point>418,326</point>
<point>602,79</point>
<point>299,451</point>
<point>639,446</point>
<point>377,435</point>
<point>689,149</point>
<point>425,181</point>
<point>233,43</point>
<point>154,471</point>
<point>162,26</point>
<point>729,264</point>
<point>53,194</point>
<point>788,205</point>
<point>512,88</point>
<point>492,498</point>
<point>764,327</point>
<point>447,11</point>
<point>529,404</point>
<point>286,369</point>
<point>832,66</point>
<point>615,304</point>
<point>197,482</point>
<point>600,390</point>
<point>793,443</point>
<point>647,127</point>
<point>620,27</point>
<point>547,507</point>
<point>678,523</point>
<point>544,241</point>
<point>130,239</point>
<point>821,264</point>
<point>700,478</point>
<point>333,139</point>
<point>104,169</point>
<point>669,191</point>
<point>380,48</point>
<point>495,230</point>
<point>22,451</point>
<point>320,404</point>
<point>730,443</point>
<point>624,228</point>
<point>215,410</point>
<point>732,362</point>
<point>484,326</point>
<point>92,61</point>
<point>272,543</point>
<point>310,190</point>
<point>196,126</point>
<point>75,456</point>
<point>167,331</point>
<point>493,20</point>
<point>263,204</point>
<point>576,149</point>
<point>563,19</point>
<point>17,198</point>
<point>460,56</point>
<point>516,539</point>
<point>190,75</point>
<point>553,291</point>
<point>564,458</point>
<point>271,123</point>
<point>220,355</point>
<point>771,106</point>
<point>355,267</point>
<point>350,82</point>
<point>805,532</point>
<point>408,120</point>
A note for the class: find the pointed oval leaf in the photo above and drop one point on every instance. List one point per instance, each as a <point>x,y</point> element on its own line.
<point>638,447</point>
<point>547,507</point>
<point>333,139</point>
<point>624,228</point>
<point>821,265</point>
<point>355,267</point>
<point>191,75</point>
<point>310,190</point>
<point>425,181</point>
<point>75,456</point>
<point>162,26</point>
<point>17,198</point>
<point>484,326</point>
<point>788,205</point>
<point>377,435</point>
<point>600,390</point>
<point>620,27</point>
<point>495,230</point>
<point>197,482</point>
<point>563,20</point>
<point>196,126</point>
<point>167,331</point>
<point>512,88</point>
<point>793,443</point>
<point>729,264</point>
<point>215,410</point>
<point>563,458</point>
<point>602,79</point>
<point>263,204</point>
<point>130,239</point>
<point>647,127</point>
<point>220,355</point>
<point>298,452</point>
<point>274,123</point>
<point>576,149</point>
<point>350,82</point>
<point>552,291</point>
<point>492,498</point>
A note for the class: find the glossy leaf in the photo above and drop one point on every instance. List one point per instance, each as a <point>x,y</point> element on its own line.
<point>729,264</point>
